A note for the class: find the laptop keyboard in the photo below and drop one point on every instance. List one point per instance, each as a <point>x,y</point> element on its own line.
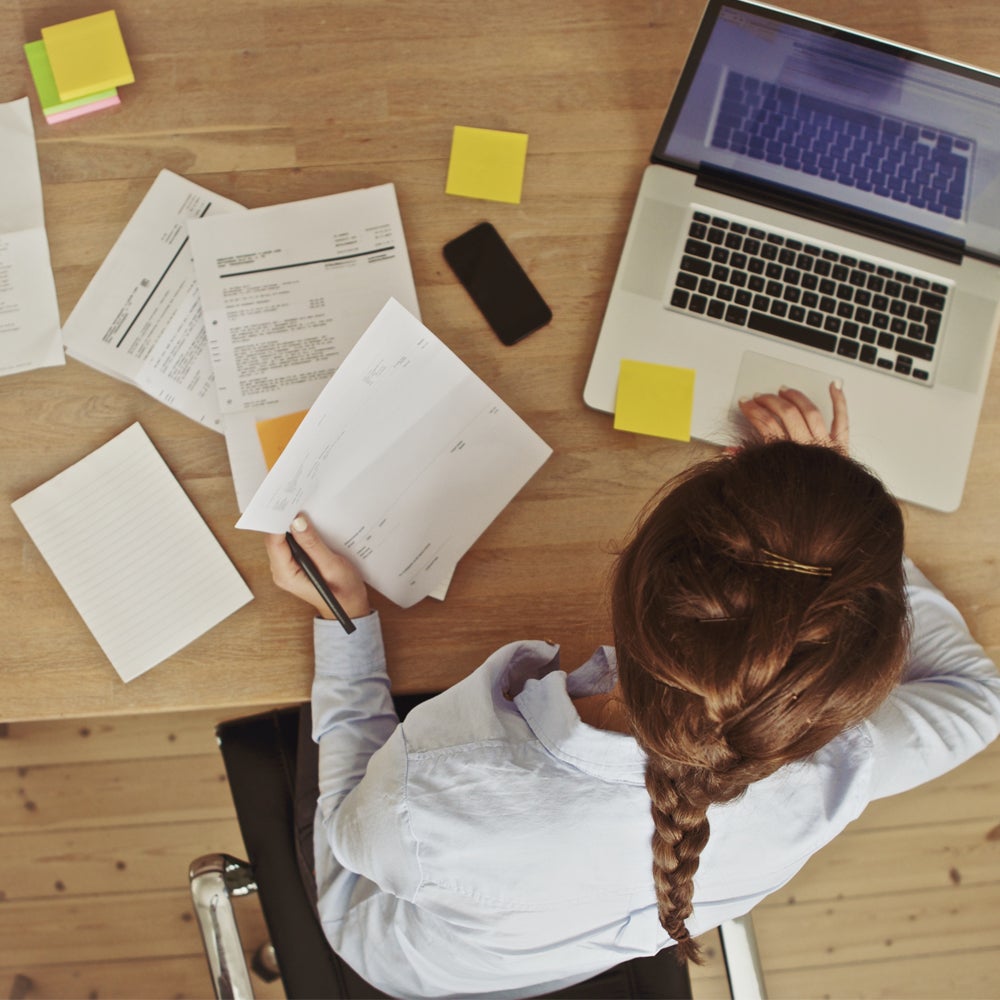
<point>813,294</point>
<point>922,166</point>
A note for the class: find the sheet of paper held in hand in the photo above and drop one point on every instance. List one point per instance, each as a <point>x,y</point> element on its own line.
<point>288,289</point>
<point>132,553</point>
<point>402,462</point>
<point>140,317</point>
<point>29,311</point>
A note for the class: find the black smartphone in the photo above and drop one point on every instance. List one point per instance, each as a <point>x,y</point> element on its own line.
<point>497,283</point>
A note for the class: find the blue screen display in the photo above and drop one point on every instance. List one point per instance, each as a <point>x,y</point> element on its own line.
<point>844,118</point>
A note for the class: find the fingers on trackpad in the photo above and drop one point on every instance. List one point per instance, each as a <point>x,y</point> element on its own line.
<point>760,373</point>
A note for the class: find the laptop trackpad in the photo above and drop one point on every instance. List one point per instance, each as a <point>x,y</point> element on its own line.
<point>760,373</point>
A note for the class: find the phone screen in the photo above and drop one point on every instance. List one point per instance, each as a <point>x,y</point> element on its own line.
<point>497,283</point>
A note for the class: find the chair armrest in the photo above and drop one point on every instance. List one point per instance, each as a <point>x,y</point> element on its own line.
<point>214,880</point>
<point>743,968</point>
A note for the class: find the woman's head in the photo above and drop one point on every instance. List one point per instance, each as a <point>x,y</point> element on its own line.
<point>759,611</point>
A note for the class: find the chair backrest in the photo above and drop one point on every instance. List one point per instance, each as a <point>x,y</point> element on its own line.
<point>260,760</point>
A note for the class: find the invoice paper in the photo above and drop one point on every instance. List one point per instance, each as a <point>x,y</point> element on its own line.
<point>405,458</point>
<point>288,289</point>
<point>140,318</point>
<point>250,464</point>
<point>132,553</point>
<point>29,310</point>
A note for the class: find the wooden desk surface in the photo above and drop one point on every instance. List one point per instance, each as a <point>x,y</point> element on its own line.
<point>271,102</point>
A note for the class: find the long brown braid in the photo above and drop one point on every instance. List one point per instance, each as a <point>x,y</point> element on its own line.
<point>759,611</point>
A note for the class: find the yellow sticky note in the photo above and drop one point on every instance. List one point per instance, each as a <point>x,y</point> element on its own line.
<point>655,399</point>
<point>275,433</point>
<point>487,164</point>
<point>87,55</point>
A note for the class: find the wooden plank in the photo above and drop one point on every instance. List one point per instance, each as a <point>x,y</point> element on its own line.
<point>114,793</point>
<point>929,856</point>
<point>110,860</point>
<point>957,974</point>
<point>170,734</point>
<point>138,979</point>
<point>709,987</point>
<point>109,928</point>
<point>874,928</point>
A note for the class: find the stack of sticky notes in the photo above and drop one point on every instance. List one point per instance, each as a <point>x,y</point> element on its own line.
<point>78,66</point>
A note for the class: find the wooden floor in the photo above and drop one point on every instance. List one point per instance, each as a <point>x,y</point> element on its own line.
<point>100,819</point>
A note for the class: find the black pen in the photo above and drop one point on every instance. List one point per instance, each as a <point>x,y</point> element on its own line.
<point>309,568</point>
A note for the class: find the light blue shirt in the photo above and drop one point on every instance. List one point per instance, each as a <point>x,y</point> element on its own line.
<point>493,844</point>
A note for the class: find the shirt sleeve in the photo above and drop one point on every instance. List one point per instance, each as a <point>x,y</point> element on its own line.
<point>353,713</point>
<point>364,851</point>
<point>947,707</point>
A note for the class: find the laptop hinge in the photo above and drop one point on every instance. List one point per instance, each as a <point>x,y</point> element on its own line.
<point>914,238</point>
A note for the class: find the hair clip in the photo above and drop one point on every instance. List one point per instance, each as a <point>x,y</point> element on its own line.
<point>774,561</point>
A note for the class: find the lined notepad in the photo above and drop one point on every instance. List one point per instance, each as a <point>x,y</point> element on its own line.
<point>132,553</point>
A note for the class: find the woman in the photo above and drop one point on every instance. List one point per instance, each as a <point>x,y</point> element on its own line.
<point>777,665</point>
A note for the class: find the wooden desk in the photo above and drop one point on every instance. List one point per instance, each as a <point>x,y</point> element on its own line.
<point>270,102</point>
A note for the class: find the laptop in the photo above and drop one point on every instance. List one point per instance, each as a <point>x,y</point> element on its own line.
<point>821,204</point>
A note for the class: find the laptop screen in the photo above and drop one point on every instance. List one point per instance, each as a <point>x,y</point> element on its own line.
<point>842,118</point>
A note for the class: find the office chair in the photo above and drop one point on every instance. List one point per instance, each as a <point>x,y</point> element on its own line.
<point>259,754</point>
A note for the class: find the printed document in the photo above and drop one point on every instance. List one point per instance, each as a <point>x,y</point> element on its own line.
<point>288,289</point>
<point>132,553</point>
<point>29,310</point>
<point>405,458</point>
<point>140,318</point>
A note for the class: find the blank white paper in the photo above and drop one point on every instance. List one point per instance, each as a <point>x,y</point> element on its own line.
<point>132,553</point>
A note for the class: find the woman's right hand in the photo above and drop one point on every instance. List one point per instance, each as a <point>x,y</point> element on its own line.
<point>790,415</point>
<point>339,572</point>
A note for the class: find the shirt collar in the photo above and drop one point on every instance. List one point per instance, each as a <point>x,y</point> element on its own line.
<point>543,695</point>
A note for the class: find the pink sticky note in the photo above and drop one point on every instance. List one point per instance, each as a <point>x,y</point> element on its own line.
<point>83,109</point>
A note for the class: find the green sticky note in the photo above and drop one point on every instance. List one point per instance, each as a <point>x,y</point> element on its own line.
<point>487,164</point>
<point>655,399</point>
<point>45,84</point>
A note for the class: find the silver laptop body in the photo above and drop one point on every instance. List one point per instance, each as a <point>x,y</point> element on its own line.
<point>821,205</point>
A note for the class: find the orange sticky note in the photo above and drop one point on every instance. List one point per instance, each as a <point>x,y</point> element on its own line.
<point>487,164</point>
<point>275,433</point>
<point>655,399</point>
